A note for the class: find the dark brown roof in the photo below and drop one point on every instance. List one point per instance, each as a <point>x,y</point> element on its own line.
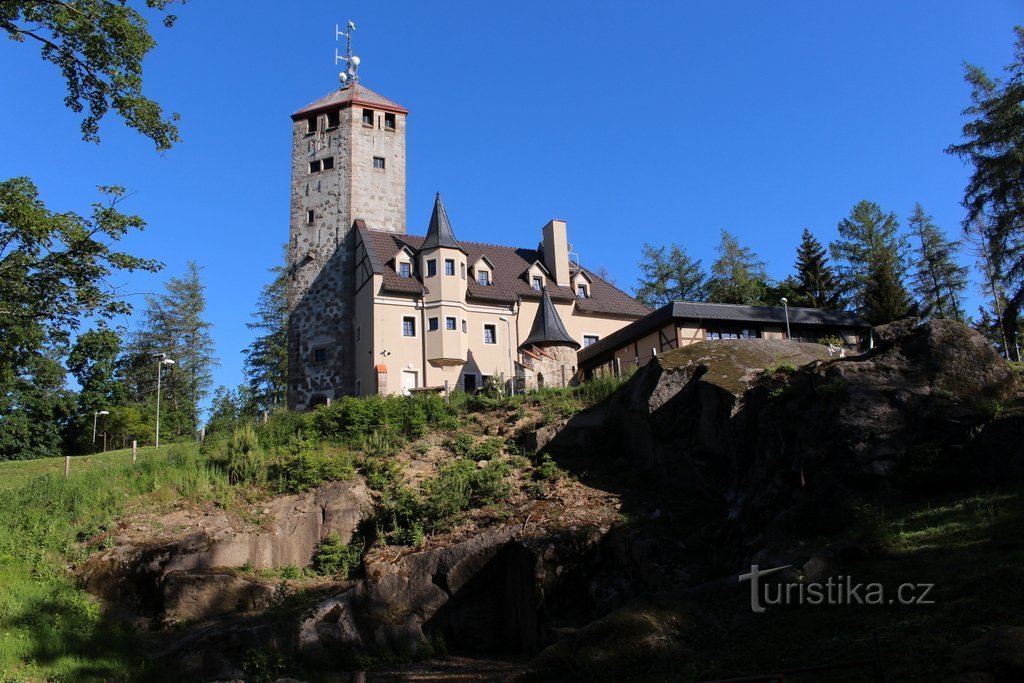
<point>547,326</point>
<point>507,284</point>
<point>350,94</point>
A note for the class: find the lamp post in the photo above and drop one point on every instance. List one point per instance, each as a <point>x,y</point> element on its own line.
<point>94,416</point>
<point>511,367</point>
<point>785,306</point>
<point>162,360</point>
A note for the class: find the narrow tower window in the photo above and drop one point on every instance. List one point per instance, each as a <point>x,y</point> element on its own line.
<point>314,166</point>
<point>378,162</point>
<point>328,163</point>
<point>389,121</point>
<point>309,216</point>
<point>367,117</point>
<point>333,118</point>
<point>311,124</point>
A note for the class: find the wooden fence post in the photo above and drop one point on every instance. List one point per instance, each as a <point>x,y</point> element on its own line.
<point>135,450</point>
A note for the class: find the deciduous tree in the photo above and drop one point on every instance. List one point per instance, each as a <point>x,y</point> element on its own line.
<point>669,274</point>
<point>738,276</point>
<point>99,47</point>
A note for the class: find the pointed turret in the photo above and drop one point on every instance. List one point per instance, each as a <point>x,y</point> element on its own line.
<point>439,232</point>
<point>548,329</point>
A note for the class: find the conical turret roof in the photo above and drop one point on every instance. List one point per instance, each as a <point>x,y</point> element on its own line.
<point>547,326</point>
<point>439,232</point>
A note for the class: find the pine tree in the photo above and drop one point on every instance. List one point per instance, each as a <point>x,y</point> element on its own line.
<point>938,281</point>
<point>266,359</point>
<point>816,286</point>
<point>669,276</point>
<point>738,276</point>
<point>174,325</point>
<point>871,262</point>
<point>994,196</point>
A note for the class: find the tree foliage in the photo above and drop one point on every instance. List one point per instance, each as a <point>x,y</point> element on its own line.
<point>738,276</point>
<point>173,324</point>
<point>816,283</point>
<point>669,274</point>
<point>993,144</point>
<point>938,280</point>
<point>266,358</point>
<point>99,47</point>
<point>872,263</point>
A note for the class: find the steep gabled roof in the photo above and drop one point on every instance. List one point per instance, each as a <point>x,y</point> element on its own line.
<point>439,232</point>
<point>507,264</point>
<point>547,326</point>
<point>349,95</point>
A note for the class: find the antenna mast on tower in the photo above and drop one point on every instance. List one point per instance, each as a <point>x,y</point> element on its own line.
<point>350,75</point>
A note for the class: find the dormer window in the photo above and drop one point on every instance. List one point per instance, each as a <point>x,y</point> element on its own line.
<point>405,269</point>
<point>581,291</point>
<point>367,117</point>
<point>483,277</point>
<point>537,283</point>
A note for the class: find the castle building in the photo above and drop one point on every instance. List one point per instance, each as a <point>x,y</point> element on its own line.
<point>374,310</point>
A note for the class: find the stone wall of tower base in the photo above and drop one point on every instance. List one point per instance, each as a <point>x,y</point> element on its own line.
<point>554,367</point>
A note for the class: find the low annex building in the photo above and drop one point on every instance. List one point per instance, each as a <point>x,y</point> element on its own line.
<point>681,323</point>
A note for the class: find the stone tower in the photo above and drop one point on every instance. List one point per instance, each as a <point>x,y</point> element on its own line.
<point>348,163</point>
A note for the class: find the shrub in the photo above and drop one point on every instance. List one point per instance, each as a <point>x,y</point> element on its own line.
<point>461,485</point>
<point>307,467</point>
<point>332,557</point>
<point>488,449</point>
<point>548,469</point>
<point>245,463</point>
<point>460,444</point>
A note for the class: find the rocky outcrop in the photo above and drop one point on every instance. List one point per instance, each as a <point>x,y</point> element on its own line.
<point>482,594</point>
<point>706,421</point>
<point>174,574</point>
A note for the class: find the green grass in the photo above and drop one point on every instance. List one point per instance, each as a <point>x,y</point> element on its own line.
<point>17,473</point>
<point>50,629</point>
<point>968,545</point>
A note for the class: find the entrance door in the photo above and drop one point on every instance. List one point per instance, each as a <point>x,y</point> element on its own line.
<point>409,378</point>
<point>469,382</point>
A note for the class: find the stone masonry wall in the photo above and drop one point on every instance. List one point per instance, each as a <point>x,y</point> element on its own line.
<point>320,291</point>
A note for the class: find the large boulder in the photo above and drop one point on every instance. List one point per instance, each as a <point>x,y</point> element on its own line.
<point>174,571</point>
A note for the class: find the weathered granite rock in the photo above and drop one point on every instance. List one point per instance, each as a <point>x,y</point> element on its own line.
<point>136,572</point>
<point>197,597</point>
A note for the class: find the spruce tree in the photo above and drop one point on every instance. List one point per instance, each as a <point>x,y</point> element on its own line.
<point>817,286</point>
<point>938,280</point>
<point>994,197</point>
<point>266,358</point>
<point>174,325</point>
<point>738,276</point>
<point>871,262</point>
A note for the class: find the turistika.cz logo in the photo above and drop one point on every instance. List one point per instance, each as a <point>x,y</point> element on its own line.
<point>837,590</point>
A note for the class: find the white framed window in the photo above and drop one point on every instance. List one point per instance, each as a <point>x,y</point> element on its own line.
<point>431,267</point>
<point>449,323</point>
<point>408,326</point>
<point>537,283</point>
<point>431,324</point>
<point>581,291</point>
<point>483,277</point>
<point>405,269</point>
<point>449,266</point>
<point>465,327</point>
<point>590,340</point>
<point>490,334</point>
<point>462,270</point>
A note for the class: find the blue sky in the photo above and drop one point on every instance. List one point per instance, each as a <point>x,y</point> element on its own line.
<point>634,121</point>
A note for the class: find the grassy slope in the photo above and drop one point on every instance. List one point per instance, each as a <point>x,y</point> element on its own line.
<point>17,473</point>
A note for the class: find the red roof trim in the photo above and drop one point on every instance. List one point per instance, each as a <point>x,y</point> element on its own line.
<point>306,113</point>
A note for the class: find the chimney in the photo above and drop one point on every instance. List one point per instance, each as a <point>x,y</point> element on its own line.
<point>556,252</point>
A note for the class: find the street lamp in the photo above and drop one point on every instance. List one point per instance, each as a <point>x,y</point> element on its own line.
<point>785,306</point>
<point>94,416</point>
<point>162,360</point>
<point>511,367</point>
